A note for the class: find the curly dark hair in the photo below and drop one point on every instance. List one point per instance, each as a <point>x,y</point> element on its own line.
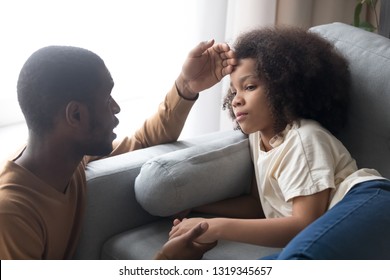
<point>305,76</point>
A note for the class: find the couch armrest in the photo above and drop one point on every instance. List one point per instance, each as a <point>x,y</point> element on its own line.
<point>177,181</point>
<point>111,206</point>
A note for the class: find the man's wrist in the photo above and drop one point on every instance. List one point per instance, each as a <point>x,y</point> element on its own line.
<point>184,90</point>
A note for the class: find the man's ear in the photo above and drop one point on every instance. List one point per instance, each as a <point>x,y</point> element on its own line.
<point>76,114</point>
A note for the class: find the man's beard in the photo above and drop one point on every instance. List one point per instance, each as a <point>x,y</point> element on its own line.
<point>98,147</point>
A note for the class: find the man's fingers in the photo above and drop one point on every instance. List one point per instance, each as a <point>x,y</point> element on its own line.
<point>222,48</point>
<point>201,48</point>
<point>229,55</point>
<point>198,230</point>
<point>230,61</point>
<point>227,70</point>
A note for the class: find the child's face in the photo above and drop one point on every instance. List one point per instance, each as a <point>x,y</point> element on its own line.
<point>250,104</point>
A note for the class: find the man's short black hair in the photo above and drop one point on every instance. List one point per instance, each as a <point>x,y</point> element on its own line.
<point>53,76</point>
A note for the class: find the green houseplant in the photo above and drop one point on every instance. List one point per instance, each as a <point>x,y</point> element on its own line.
<point>370,5</point>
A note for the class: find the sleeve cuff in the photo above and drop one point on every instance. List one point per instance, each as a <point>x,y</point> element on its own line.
<point>186,98</point>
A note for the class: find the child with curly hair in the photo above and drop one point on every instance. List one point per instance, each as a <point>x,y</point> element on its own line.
<point>290,94</point>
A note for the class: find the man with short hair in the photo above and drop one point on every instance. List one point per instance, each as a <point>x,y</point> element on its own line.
<point>65,95</point>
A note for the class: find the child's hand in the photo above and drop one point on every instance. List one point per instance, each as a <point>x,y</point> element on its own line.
<point>183,226</point>
<point>184,246</point>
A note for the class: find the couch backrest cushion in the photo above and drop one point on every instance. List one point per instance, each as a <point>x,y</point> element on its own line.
<point>181,180</point>
<point>367,135</point>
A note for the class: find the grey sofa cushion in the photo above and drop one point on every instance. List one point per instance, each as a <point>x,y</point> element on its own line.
<point>367,135</point>
<point>180,180</point>
<point>143,242</point>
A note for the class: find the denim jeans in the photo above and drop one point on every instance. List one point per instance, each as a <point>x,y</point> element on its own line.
<point>358,227</point>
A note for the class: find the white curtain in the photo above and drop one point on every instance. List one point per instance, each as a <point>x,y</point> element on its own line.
<point>205,115</point>
<point>142,42</point>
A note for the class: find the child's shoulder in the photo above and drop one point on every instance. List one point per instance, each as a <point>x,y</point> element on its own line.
<point>311,135</point>
<point>308,126</point>
<point>310,129</point>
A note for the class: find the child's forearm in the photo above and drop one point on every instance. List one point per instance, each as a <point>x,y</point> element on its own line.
<point>246,207</point>
<point>275,232</point>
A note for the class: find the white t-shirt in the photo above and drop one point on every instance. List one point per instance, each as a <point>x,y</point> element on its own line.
<point>305,159</point>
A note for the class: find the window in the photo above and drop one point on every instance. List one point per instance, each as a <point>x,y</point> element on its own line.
<point>143,44</point>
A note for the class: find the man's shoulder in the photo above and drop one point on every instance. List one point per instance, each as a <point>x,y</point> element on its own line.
<point>8,172</point>
<point>11,183</point>
<point>14,200</point>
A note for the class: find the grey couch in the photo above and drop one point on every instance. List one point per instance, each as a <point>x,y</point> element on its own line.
<point>131,196</point>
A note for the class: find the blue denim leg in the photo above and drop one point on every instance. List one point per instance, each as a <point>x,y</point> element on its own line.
<point>271,257</point>
<point>358,227</point>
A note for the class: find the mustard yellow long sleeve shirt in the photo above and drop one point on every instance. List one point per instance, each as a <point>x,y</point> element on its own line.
<point>38,222</point>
